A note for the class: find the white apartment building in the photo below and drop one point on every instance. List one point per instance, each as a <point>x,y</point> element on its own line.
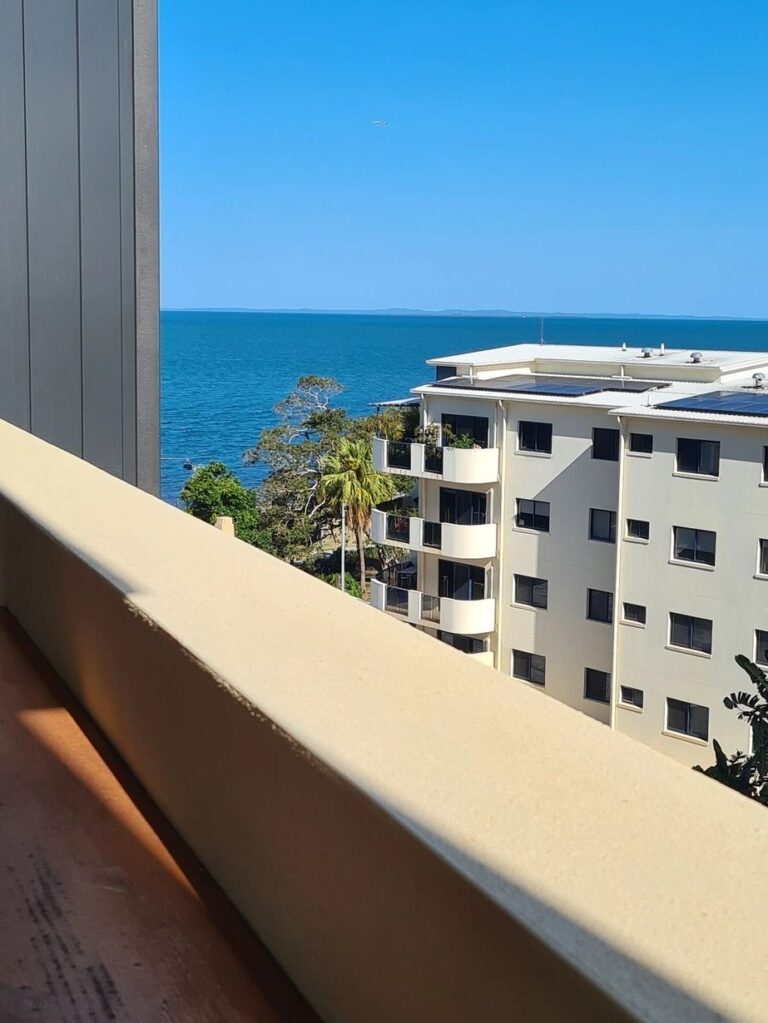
<point>600,531</point>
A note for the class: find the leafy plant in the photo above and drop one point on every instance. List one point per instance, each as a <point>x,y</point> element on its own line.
<point>746,773</point>
<point>462,441</point>
<point>351,585</point>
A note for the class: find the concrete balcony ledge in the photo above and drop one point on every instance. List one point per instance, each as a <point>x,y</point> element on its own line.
<point>475,542</point>
<point>414,836</point>
<point>456,465</point>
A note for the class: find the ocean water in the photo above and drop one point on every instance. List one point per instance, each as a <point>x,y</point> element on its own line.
<point>223,372</point>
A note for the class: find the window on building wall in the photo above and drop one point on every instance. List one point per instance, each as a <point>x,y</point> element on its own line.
<point>467,644</point>
<point>533,515</point>
<point>638,529</point>
<point>699,457</point>
<point>697,545</point>
<point>761,647</point>
<point>763,558</point>
<point>599,606</point>
<point>634,613</point>
<point>534,437</point>
<point>474,427</point>
<point>632,697</point>
<point>690,633</point>
<point>765,465</point>
<point>531,591</point>
<point>597,685</point>
<point>602,525</point>
<point>641,443</point>
<point>529,667</point>
<point>688,718</point>
<point>605,444</point>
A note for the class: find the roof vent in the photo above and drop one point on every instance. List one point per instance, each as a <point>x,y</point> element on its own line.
<point>696,357</point>
<point>647,353</point>
<point>758,379</point>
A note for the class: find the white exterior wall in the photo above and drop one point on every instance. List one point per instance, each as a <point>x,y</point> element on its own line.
<point>735,507</point>
<point>573,482</point>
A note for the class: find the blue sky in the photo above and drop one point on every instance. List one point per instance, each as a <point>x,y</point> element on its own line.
<point>552,155</point>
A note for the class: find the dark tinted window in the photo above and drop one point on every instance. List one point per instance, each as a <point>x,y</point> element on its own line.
<point>701,457</point>
<point>764,557</point>
<point>474,427</point>
<point>532,591</point>
<point>605,444</point>
<point>688,718</point>
<point>534,436</point>
<point>530,667</point>
<point>638,529</point>
<point>602,525</point>
<point>634,697</point>
<point>597,685</point>
<point>467,644</point>
<point>444,372</point>
<point>634,613</point>
<point>599,606</point>
<point>533,515</point>
<point>641,443</point>
<point>694,545</point>
<point>761,646</point>
<point>690,633</point>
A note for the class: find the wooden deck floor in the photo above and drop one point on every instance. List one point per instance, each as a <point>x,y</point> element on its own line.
<point>104,913</point>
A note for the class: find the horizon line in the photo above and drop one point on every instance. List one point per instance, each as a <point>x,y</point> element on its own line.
<point>477,313</point>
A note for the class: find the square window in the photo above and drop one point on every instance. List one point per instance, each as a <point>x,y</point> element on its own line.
<point>534,437</point>
<point>641,443</point>
<point>602,525</point>
<point>697,545</point>
<point>529,667</point>
<point>599,606</point>
<point>632,697</point>
<point>634,613</point>
<point>531,591</point>
<point>761,646</point>
<point>688,718</point>
<point>533,515</point>
<point>699,457</point>
<point>605,444</point>
<point>763,558</point>
<point>638,529</point>
<point>597,685</point>
<point>690,633</point>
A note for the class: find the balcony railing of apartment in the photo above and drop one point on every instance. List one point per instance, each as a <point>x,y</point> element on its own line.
<point>388,815</point>
<point>432,534</point>
<point>453,539</point>
<point>398,527</point>
<point>397,600</point>
<point>452,464</point>
<point>430,608</point>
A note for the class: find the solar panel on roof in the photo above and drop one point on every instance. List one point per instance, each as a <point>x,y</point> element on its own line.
<point>570,387</point>
<point>732,403</point>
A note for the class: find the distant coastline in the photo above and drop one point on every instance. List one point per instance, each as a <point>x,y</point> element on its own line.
<point>463,313</point>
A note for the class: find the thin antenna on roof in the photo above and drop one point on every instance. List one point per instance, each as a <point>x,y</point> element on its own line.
<point>541,332</point>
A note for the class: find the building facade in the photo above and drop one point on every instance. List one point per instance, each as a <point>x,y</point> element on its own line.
<point>79,301</point>
<point>594,522</point>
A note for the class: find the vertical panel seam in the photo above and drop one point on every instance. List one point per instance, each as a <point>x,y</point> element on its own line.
<point>26,210</point>
<point>80,222</point>
<point>120,115</point>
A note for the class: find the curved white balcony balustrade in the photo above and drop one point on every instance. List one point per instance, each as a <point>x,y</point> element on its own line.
<point>453,465</point>
<point>450,539</point>
<point>464,617</point>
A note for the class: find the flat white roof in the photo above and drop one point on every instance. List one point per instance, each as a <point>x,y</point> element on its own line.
<point>543,353</point>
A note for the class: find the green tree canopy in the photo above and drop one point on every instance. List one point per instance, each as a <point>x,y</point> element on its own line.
<point>348,478</point>
<point>212,490</point>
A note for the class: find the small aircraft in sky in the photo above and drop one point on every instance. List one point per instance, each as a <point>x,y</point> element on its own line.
<point>380,124</point>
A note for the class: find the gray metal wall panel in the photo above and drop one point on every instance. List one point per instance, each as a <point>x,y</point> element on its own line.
<point>100,234</point>
<point>79,317</point>
<point>50,57</point>
<point>127,227</point>
<point>14,310</point>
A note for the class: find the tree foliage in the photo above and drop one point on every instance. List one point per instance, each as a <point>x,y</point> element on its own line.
<point>348,478</point>
<point>212,490</point>
<point>747,773</point>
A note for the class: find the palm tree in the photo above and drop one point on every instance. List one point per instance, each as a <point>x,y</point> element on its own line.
<point>348,477</point>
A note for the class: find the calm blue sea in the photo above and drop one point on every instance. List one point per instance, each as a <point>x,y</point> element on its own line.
<point>222,372</point>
